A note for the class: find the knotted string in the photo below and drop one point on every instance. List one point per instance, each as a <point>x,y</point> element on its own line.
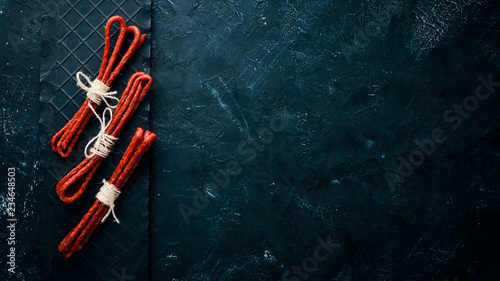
<point>103,143</point>
<point>96,91</point>
<point>107,195</point>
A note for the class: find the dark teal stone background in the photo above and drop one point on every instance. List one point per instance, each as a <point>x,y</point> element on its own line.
<point>279,123</point>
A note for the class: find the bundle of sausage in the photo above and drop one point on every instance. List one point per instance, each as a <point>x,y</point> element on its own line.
<point>73,184</point>
<point>65,140</point>
<point>104,204</point>
<point>112,121</point>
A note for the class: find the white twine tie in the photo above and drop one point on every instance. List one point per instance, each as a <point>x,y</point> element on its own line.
<point>103,143</point>
<point>96,91</point>
<point>107,195</point>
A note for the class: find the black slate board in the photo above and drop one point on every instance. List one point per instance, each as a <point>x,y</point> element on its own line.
<point>73,40</point>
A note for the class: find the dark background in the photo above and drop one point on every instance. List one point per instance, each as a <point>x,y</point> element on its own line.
<point>309,104</point>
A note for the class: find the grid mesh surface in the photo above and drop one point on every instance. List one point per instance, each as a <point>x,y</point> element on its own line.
<point>72,41</point>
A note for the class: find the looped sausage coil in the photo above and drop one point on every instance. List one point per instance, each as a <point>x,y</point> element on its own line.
<point>65,140</point>
<point>77,237</point>
<point>73,184</point>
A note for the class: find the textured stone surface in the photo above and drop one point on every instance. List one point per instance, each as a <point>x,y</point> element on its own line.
<point>358,82</point>
<point>277,121</point>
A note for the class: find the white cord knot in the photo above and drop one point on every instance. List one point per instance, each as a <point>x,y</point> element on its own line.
<point>107,195</point>
<point>96,91</point>
<point>103,143</point>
